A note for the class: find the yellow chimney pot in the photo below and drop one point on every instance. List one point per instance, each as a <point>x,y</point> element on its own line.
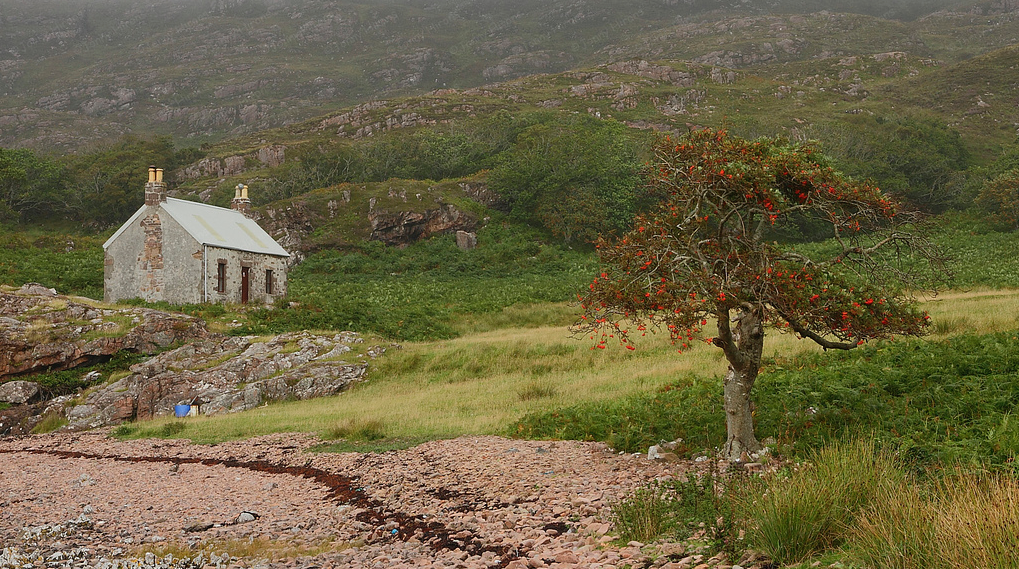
<point>159,174</point>
<point>244,192</point>
<point>152,173</point>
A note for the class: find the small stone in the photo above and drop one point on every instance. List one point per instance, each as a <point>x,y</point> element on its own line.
<point>672,549</point>
<point>567,557</point>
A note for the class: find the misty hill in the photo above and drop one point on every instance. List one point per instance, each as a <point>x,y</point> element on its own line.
<point>73,73</point>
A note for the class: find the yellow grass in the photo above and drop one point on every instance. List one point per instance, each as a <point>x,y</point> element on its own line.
<point>964,520</point>
<point>481,382</point>
<point>979,311</point>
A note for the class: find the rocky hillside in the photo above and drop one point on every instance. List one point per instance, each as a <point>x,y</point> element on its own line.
<point>42,331</point>
<point>72,73</point>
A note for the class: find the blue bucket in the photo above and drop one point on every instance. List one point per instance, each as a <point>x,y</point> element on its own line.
<point>181,410</point>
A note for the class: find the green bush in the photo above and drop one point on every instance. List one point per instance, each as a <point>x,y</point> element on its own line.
<point>423,291</point>
<point>691,410</point>
<point>933,401</point>
<point>70,381</point>
<point>918,158</point>
<point>572,174</point>
<point>71,264</point>
<point>173,428</point>
<point>999,198</point>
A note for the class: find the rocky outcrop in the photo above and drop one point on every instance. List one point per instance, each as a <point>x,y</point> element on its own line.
<point>40,330</point>
<point>19,392</point>
<point>647,70</point>
<point>267,156</point>
<point>481,193</point>
<point>405,227</point>
<point>405,215</point>
<point>221,374</point>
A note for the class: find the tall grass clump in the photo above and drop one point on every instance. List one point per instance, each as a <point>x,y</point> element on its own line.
<point>675,507</point>
<point>964,520</point>
<point>49,423</point>
<point>790,519</point>
<point>978,521</point>
<point>357,429</point>
<point>645,514</point>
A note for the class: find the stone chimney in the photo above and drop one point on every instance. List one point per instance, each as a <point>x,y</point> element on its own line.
<point>155,189</point>
<point>241,202</point>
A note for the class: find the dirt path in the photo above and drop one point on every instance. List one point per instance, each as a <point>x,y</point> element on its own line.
<point>468,502</point>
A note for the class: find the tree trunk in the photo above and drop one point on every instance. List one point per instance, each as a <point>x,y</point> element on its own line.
<point>745,345</point>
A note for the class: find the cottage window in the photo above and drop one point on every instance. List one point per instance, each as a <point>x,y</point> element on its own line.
<point>268,281</point>
<point>221,277</point>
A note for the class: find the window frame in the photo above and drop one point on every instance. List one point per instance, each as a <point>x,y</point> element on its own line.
<point>221,276</point>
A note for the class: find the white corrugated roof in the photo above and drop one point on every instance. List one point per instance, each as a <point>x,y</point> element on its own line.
<point>216,226</point>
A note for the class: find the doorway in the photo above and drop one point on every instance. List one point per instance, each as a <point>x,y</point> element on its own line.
<point>244,284</point>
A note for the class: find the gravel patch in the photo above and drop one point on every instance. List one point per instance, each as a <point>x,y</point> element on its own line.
<point>87,500</point>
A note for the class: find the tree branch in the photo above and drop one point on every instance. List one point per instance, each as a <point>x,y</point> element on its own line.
<point>817,338</point>
<point>725,340</point>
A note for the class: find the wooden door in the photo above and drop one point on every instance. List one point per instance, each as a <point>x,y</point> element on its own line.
<point>244,285</point>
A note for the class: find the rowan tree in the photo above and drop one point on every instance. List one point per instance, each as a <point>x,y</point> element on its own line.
<point>706,252</point>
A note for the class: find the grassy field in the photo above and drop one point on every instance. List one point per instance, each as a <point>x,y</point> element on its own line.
<point>485,380</point>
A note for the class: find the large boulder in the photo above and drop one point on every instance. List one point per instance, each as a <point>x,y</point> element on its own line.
<point>19,392</point>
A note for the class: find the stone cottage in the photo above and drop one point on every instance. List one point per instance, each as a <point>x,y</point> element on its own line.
<point>186,252</point>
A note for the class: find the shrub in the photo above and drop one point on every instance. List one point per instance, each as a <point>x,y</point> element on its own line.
<point>572,174</point>
<point>999,198</point>
<point>678,507</point>
<point>172,428</point>
<point>690,410</point>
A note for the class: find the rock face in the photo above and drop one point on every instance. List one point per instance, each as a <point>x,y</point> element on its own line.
<point>43,331</point>
<point>271,156</point>
<point>221,374</point>
<point>343,216</point>
<point>402,228</point>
